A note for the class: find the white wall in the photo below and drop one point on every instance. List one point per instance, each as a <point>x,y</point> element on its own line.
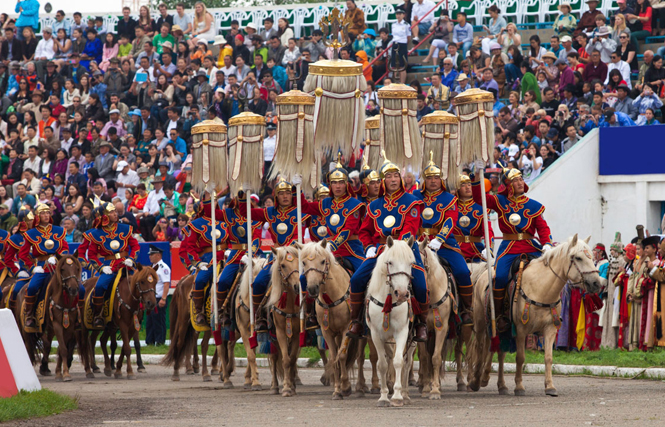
<point>578,200</point>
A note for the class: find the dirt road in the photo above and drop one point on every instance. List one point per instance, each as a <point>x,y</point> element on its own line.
<point>155,400</point>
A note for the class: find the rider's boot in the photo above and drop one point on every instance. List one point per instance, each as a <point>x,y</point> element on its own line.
<point>12,303</point>
<point>198,295</point>
<point>310,307</point>
<point>260,322</point>
<point>97,306</point>
<point>421,325</point>
<point>502,322</point>
<point>28,305</point>
<point>467,309</point>
<point>357,328</point>
<point>224,319</point>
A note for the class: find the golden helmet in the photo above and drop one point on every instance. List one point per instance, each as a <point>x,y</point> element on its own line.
<point>510,174</point>
<point>464,179</point>
<point>432,169</point>
<point>42,207</point>
<point>321,190</point>
<point>282,185</point>
<point>388,166</point>
<point>339,173</point>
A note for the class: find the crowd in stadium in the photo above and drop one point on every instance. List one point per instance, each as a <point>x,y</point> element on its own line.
<point>91,113</point>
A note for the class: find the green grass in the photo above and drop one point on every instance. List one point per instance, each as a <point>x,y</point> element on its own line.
<point>604,357</point>
<point>40,403</point>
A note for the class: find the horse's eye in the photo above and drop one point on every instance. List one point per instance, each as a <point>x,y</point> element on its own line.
<point>323,262</point>
<point>283,266</point>
<point>579,258</point>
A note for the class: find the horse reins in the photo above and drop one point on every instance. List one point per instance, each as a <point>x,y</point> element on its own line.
<point>139,299</point>
<point>570,266</point>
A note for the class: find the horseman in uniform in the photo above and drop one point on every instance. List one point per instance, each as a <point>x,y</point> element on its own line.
<point>370,183</point>
<point>42,243</point>
<point>395,213</point>
<point>520,219</point>
<point>469,234</point>
<point>439,217</point>
<point>237,247</point>
<point>196,252</point>
<point>341,216</point>
<point>110,247</point>
<point>11,250</point>
<point>283,220</point>
<point>317,225</point>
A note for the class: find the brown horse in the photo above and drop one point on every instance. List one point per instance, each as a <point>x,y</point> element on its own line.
<point>6,287</point>
<point>131,293</point>
<point>184,337</point>
<point>60,320</point>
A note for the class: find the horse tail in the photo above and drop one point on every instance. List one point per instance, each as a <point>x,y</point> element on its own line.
<point>35,346</point>
<point>477,357</point>
<point>83,345</point>
<point>182,333</point>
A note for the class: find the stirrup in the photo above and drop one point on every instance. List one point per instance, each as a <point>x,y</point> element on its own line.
<point>98,322</point>
<point>356,329</point>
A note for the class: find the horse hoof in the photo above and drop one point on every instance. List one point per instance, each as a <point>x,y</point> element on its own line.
<point>474,386</point>
<point>299,382</point>
<point>484,383</point>
<point>288,393</point>
<point>383,404</point>
<point>420,389</point>
<point>364,389</point>
<point>503,392</point>
<point>214,372</point>
<point>375,390</point>
<point>90,375</point>
<point>108,372</point>
<point>190,371</point>
<point>461,387</point>
<point>435,396</point>
<point>247,387</point>
<point>117,376</point>
<point>551,392</point>
<point>398,403</point>
<point>96,371</point>
<point>196,370</point>
<point>175,377</point>
<point>324,380</point>
<point>348,392</point>
<point>207,378</point>
<point>274,391</point>
<point>141,370</point>
<point>44,373</point>
<point>66,378</point>
<point>337,396</point>
<point>360,394</point>
<point>227,385</point>
<point>521,392</point>
<point>131,376</point>
<point>58,378</point>
<point>413,383</point>
<point>256,387</point>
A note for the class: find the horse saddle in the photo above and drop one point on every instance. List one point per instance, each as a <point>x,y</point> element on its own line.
<point>515,267</point>
<point>109,303</point>
<point>40,311</point>
<point>346,264</point>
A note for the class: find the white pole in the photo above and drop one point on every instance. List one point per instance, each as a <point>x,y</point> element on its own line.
<point>299,213</point>
<point>213,292</point>
<point>488,249</point>
<point>249,259</point>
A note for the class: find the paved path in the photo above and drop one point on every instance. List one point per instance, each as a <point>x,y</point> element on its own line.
<point>154,400</point>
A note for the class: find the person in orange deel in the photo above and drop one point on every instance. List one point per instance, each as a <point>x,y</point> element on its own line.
<point>361,57</point>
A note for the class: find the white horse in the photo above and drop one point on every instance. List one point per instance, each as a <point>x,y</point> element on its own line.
<point>542,282</point>
<point>392,276</point>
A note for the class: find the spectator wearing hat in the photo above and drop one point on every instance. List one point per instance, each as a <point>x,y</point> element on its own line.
<point>144,178</point>
<point>565,24</point>
<point>617,64</point>
<point>317,48</point>
<point>587,22</point>
<point>401,32</point>
<point>566,48</point>
<point>148,217</point>
<point>646,100</point>
<point>269,143</point>
<point>44,51</point>
<point>364,42</point>
<point>156,320</point>
<point>624,103</point>
<point>28,11</point>
<point>602,43</point>
<point>104,162</point>
<point>463,83</point>
<point>127,178</point>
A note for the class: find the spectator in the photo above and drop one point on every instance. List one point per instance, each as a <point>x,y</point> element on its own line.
<point>438,92</point>
<point>463,33</point>
<point>72,235</point>
<point>587,22</point>
<point>357,18</point>
<point>596,69</point>
<point>148,217</point>
<point>655,75</point>
<point>646,100</point>
<point>7,219</point>
<point>643,13</point>
<point>612,118</point>
<point>530,163</point>
<point>28,17</point>
<point>565,24</point>
<point>622,66</point>
<point>624,103</point>
<point>156,321</point>
<point>86,220</point>
<point>22,198</point>
<point>548,154</point>
<point>566,76</point>
<point>602,43</point>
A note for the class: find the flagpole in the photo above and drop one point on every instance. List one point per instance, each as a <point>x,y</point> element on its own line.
<point>302,299</point>
<point>488,249</point>
<point>213,317</point>
<point>249,260</point>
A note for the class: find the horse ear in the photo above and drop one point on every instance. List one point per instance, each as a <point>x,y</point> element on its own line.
<point>297,246</point>
<point>76,253</point>
<point>389,242</point>
<point>324,243</point>
<point>274,250</point>
<point>587,239</point>
<point>573,242</point>
<point>422,244</point>
<point>58,256</point>
<point>139,266</point>
<point>410,241</point>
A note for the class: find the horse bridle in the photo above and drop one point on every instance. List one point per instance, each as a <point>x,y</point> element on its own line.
<point>139,299</point>
<point>570,266</point>
<point>390,276</point>
<point>324,273</point>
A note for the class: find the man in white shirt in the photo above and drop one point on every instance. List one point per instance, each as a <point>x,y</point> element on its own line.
<point>420,12</point>
<point>44,52</point>
<point>148,218</point>
<point>228,68</point>
<point>155,325</point>
<point>269,147</point>
<point>617,64</point>
<point>401,34</point>
<point>567,43</point>
<point>33,160</point>
<point>127,178</point>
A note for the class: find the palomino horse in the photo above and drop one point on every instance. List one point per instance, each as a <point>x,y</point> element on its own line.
<point>537,309</point>
<point>131,293</point>
<point>328,282</point>
<point>433,352</point>
<point>284,307</point>
<point>60,320</point>
<point>184,338</point>
<point>392,276</point>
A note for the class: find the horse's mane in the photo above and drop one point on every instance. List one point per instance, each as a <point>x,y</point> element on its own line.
<point>317,250</point>
<point>57,275</point>
<point>276,285</point>
<point>556,251</point>
<point>400,252</point>
<point>142,274</point>
<point>257,265</point>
